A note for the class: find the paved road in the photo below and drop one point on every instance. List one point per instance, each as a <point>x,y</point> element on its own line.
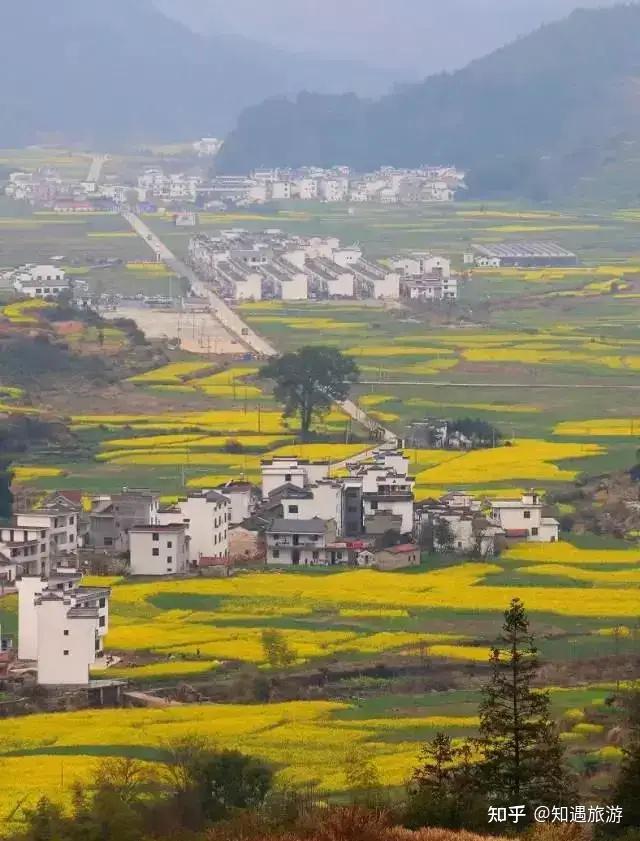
<point>609,386</point>
<point>95,170</point>
<point>230,319</point>
<point>223,313</point>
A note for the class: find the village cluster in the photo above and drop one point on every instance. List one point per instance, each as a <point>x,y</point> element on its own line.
<point>185,191</point>
<point>252,266</point>
<point>300,516</point>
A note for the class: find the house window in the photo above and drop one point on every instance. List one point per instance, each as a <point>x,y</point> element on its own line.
<point>374,506</point>
<point>155,552</point>
<point>66,652</point>
<point>293,509</point>
<point>108,541</point>
<point>276,553</point>
<point>287,478</point>
<point>103,602</point>
<point>534,532</point>
<point>169,559</point>
<point>70,521</point>
<point>156,536</point>
<point>102,621</point>
<point>169,544</point>
<point>66,633</point>
<point>315,555</point>
<point>339,555</point>
<point>527,515</point>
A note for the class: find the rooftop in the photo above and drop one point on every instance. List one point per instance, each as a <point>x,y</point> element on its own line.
<point>314,526</point>
<point>523,249</point>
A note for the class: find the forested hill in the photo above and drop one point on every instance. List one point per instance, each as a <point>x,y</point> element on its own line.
<point>548,113</point>
<point>102,72</point>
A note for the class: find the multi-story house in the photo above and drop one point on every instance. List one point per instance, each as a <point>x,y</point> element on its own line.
<point>61,626</point>
<point>300,542</point>
<point>523,519</point>
<point>159,550</point>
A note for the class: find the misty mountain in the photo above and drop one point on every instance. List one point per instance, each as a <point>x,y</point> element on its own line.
<point>419,36</point>
<point>547,114</point>
<point>107,72</point>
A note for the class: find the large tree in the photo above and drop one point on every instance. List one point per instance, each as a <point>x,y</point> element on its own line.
<point>522,754</point>
<point>308,381</point>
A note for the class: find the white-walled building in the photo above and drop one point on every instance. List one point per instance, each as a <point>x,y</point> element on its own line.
<point>300,542</point>
<point>23,551</point>
<point>238,282</point>
<point>332,280</point>
<point>61,625</point>
<point>291,471</point>
<point>376,282</point>
<point>242,500</point>
<point>159,550</point>
<point>523,519</point>
<point>422,263</point>
<point>61,527</point>
<point>40,281</point>
<point>206,515</point>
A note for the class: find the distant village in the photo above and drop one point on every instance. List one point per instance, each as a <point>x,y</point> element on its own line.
<point>199,187</point>
<point>300,515</point>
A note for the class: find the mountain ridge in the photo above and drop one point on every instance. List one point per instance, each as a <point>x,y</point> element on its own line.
<point>533,118</point>
<point>122,72</point>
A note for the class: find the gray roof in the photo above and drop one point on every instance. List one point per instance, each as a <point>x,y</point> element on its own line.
<point>315,526</point>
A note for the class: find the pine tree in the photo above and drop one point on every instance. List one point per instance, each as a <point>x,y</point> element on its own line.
<point>443,789</point>
<point>626,793</point>
<point>522,754</point>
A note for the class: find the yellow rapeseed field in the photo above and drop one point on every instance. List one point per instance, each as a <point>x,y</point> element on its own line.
<point>175,372</point>
<point>25,312</point>
<point>600,428</point>
<point>303,739</point>
<point>506,408</point>
<point>31,473</point>
<point>320,452</point>
<point>530,459</point>
<point>568,554</point>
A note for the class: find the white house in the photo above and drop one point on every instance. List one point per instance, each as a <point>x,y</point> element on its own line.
<point>23,551</point>
<point>376,282</point>
<point>242,500</point>
<point>206,515</point>
<point>324,500</point>
<point>61,526</point>
<point>419,263</point>
<point>333,189</point>
<point>159,550</point>
<point>346,256</point>
<point>62,625</point>
<point>300,542</point>
<point>291,471</point>
<point>523,519</point>
<point>41,281</point>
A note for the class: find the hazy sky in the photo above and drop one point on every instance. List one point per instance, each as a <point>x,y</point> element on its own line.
<point>418,36</point>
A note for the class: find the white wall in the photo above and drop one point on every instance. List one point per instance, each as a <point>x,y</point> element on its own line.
<point>295,289</point>
<point>28,588</point>
<point>207,527</point>
<point>56,634</point>
<point>169,545</point>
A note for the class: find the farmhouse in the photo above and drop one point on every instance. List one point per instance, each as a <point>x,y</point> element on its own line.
<point>61,626</point>
<point>159,550</point>
<point>397,557</point>
<point>112,517</point>
<point>205,514</point>
<point>41,281</point>
<point>300,542</point>
<point>523,519</point>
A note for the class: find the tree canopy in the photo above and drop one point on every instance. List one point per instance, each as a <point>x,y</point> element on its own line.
<point>308,381</point>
